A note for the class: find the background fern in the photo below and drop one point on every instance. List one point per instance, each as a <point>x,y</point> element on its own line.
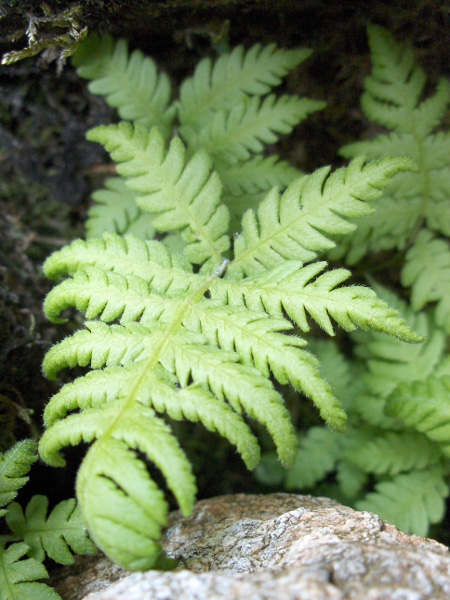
<point>33,536</point>
<point>225,108</point>
<point>396,395</point>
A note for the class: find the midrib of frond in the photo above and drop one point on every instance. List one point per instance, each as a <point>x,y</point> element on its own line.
<point>171,329</point>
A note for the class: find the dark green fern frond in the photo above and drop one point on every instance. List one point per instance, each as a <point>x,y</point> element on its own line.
<point>425,405</point>
<point>19,575</point>
<point>319,449</point>
<point>410,500</point>
<point>427,272</point>
<point>55,535</point>
<point>14,467</point>
<point>130,83</point>
<point>393,452</point>
<point>393,98</point>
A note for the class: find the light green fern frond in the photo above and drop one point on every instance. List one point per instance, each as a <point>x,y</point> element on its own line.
<point>172,187</point>
<point>410,500</point>
<point>427,272</point>
<point>393,98</point>
<point>55,535</point>
<point>130,83</point>
<point>116,211</point>
<point>300,223</point>
<point>233,135</point>
<point>225,83</point>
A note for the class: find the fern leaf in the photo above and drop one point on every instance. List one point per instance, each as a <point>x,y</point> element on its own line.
<point>424,405</point>
<point>389,361</point>
<point>113,480</point>
<point>393,452</point>
<point>351,479</point>
<point>246,183</point>
<point>299,224</point>
<point>233,135</point>
<point>115,210</point>
<point>427,272</point>
<point>289,288</point>
<point>54,535</point>
<point>257,174</point>
<point>18,575</point>
<point>224,83</point>
<point>394,89</point>
<point>128,254</point>
<point>14,466</point>
<point>387,228</point>
<point>251,334</point>
<point>169,185</point>
<point>317,456</point>
<point>412,501</point>
<point>392,98</point>
<point>131,83</point>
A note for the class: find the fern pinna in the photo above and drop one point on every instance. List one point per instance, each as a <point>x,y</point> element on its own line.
<point>202,334</point>
<point>397,396</point>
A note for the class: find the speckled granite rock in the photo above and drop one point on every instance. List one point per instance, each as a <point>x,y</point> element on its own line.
<point>280,546</point>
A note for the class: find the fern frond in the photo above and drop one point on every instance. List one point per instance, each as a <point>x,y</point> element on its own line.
<point>317,455</point>
<point>392,98</point>
<point>246,183</point>
<point>233,135</point>
<point>114,481</point>
<point>387,228</point>
<point>298,290</point>
<point>255,175</point>
<point>412,501</point>
<point>128,254</point>
<point>14,467</point>
<point>186,195</point>
<point>130,82</point>
<point>223,84</point>
<point>427,272</point>
<point>18,575</point>
<point>115,210</point>
<point>389,361</point>
<point>393,452</point>
<point>424,405</point>
<point>300,224</point>
<point>351,479</point>
<point>54,535</point>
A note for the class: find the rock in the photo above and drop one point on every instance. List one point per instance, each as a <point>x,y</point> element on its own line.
<point>281,546</point>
